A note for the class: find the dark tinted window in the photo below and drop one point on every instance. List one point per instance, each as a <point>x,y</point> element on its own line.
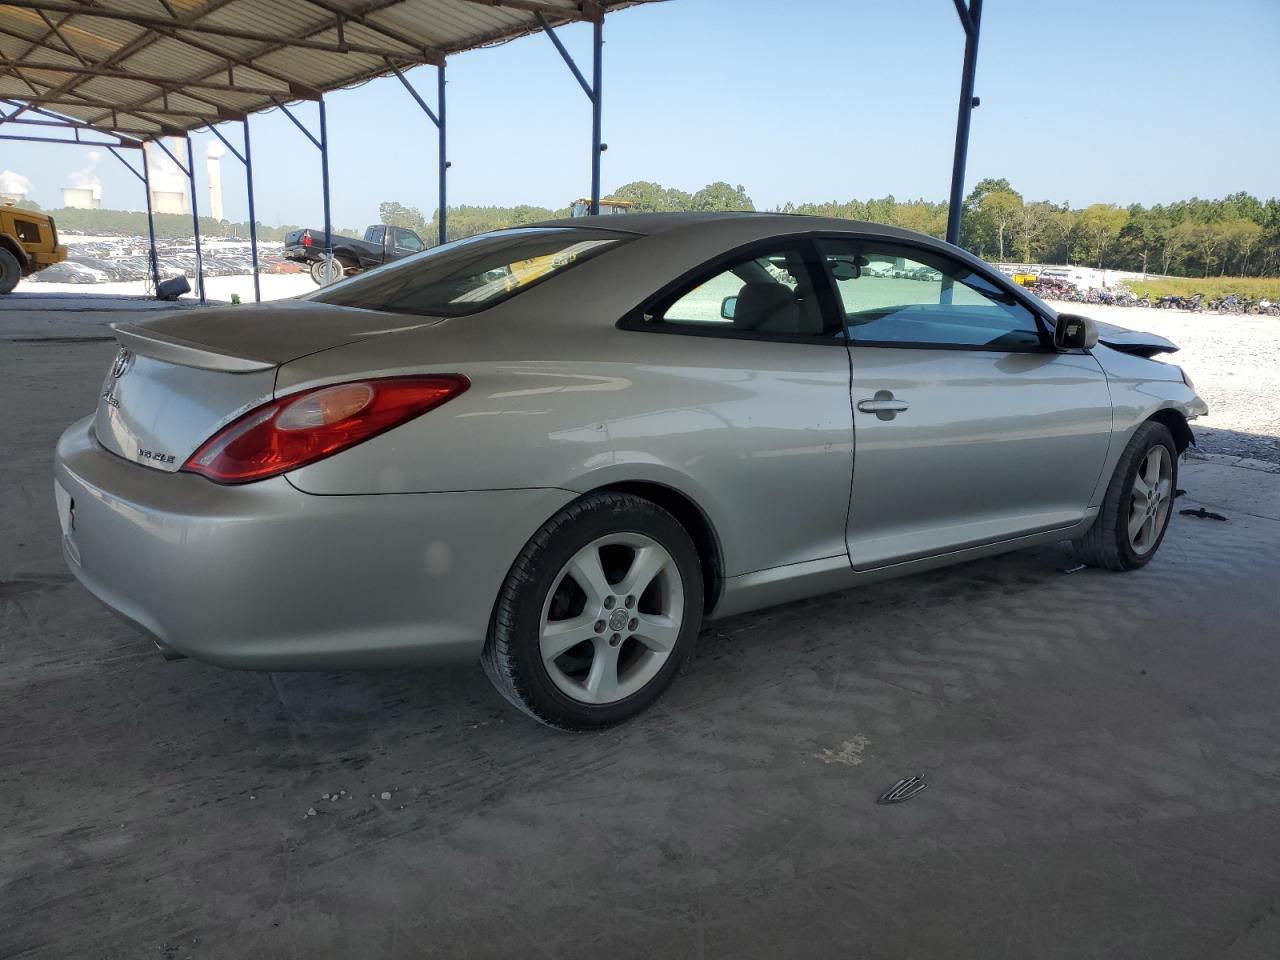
<point>376,234</point>
<point>904,296</point>
<point>470,275</point>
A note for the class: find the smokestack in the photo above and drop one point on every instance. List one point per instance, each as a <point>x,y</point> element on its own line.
<point>214,155</point>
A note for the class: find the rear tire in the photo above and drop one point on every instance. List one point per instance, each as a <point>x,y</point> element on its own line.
<point>10,271</point>
<point>1135,512</point>
<point>597,615</point>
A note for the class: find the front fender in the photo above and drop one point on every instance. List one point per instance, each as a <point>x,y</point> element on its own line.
<point>1141,390</point>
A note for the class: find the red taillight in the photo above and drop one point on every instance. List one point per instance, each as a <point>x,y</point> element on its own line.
<point>306,239</point>
<point>296,430</point>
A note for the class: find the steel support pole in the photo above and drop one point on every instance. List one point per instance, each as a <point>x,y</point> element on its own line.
<point>963,116</point>
<point>597,45</point>
<point>444,163</point>
<point>253,216</point>
<point>151,220</point>
<point>195,217</point>
<point>324,184</point>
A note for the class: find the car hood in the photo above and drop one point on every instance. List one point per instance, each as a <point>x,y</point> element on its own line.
<point>267,334</point>
<point>1132,341</point>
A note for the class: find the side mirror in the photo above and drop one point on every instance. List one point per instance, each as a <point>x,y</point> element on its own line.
<point>1074,332</point>
<point>728,307</point>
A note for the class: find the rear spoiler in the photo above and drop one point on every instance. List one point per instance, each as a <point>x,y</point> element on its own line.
<point>148,343</point>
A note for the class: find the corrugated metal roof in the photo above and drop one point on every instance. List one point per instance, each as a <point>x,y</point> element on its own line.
<point>149,68</point>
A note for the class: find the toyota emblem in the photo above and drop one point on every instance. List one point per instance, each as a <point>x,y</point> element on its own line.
<point>123,357</point>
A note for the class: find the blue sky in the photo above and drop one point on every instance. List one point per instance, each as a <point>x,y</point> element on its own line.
<point>1082,101</point>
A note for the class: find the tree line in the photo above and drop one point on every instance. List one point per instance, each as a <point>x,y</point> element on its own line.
<point>1238,235</point>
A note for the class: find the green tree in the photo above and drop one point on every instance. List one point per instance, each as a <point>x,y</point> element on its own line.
<point>1061,226</point>
<point>976,234</point>
<point>1240,237</point>
<point>1176,240</point>
<point>1000,210</point>
<point>719,196</point>
<point>1100,225</point>
<point>649,197</point>
<point>398,215</point>
<point>1207,238</point>
<point>1032,220</point>
<point>1141,235</point>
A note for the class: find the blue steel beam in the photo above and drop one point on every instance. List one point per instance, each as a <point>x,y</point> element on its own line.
<point>597,81</point>
<point>592,90</point>
<point>324,185</point>
<point>246,158</point>
<point>151,222</point>
<point>437,117</point>
<point>442,219</point>
<point>253,216</point>
<point>195,217</point>
<point>145,178</point>
<point>971,20</point>
<point>321,144</point>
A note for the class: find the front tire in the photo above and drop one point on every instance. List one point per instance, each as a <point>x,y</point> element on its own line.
<point>10,271</point>
<point>597,614</point>
<point>1135,512</point>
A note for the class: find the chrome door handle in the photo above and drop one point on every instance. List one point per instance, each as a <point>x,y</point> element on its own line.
<point>883,405</point>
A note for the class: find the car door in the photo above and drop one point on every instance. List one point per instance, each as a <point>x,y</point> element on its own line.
<point>755,409</point>
<point>969,428</point>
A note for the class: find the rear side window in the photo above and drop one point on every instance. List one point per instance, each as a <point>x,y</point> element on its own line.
<point>769,295</point>
<point>470,275</point>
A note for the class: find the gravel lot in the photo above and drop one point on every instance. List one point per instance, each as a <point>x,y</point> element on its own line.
<point>1234,362</point>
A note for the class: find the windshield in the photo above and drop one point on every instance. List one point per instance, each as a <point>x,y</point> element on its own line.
<point>470,275</point>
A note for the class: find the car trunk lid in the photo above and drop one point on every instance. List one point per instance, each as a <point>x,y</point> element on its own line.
<point>176,380</point>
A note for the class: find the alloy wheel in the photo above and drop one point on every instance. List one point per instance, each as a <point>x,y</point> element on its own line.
<point>611,618</point>
<point>1150,500</point>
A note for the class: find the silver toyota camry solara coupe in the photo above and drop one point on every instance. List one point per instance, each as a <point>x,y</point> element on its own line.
<point>558,449</point>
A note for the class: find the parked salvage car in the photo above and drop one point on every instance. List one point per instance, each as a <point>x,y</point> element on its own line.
<point>562,473</point>
<point>68,271</point>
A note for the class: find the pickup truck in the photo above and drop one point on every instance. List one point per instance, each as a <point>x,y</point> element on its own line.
<point>382,243</point>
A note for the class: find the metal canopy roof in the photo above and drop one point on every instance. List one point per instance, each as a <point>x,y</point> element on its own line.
<point>153,68</point>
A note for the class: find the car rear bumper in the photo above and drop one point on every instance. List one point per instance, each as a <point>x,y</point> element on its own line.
<point>264,576</point>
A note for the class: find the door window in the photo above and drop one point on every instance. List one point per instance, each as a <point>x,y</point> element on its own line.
<point>909,297</point>
<point>407,240</point>
<point>770,294</point>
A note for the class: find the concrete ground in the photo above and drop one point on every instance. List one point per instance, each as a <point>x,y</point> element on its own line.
<point>1101,753</point>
